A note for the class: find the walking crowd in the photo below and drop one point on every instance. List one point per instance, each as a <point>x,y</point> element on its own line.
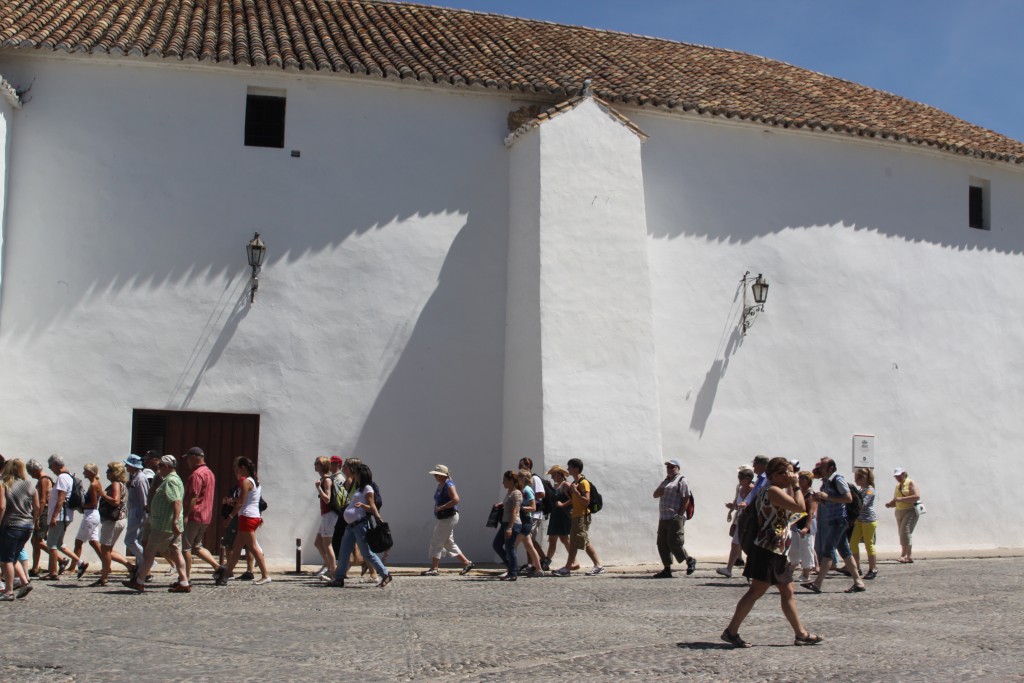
<point>776,520</point>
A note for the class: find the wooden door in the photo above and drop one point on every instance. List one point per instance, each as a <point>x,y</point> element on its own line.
<point>222,436</point>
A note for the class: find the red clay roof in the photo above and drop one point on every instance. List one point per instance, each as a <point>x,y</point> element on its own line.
<point>462,48</point>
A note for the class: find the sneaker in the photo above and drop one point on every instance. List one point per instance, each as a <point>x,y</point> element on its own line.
<point>320,572</point>
<point>430,572</point>
<point>336,583</point>
<point>262,582</point>
<point>23,591</point>
<point>564,571</point>
<point>326,578</point>
<point>691,565</point>
<point>246,576</point>
<point>467,569</point>
<point>82,566</point>
<point>595,571</point>
<point>524,568</point>
<point>724,572</point>
<point>870,575</point>
<point>178,588</point>
<point>665,573</point>
<point>7,597</point>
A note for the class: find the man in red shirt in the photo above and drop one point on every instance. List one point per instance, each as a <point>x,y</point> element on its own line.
<point>199,495</point>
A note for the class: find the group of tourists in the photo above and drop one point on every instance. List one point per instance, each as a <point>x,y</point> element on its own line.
<point>777,520</point>
<point>145,500</point>
<point>782,524</point>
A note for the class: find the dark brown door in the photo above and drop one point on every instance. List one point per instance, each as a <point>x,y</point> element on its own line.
<point>222,436</point>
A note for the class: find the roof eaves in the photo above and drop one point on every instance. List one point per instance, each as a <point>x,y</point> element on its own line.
<point>569,105</point>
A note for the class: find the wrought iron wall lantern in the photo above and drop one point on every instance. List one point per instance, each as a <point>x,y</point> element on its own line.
<point>759,291</point>
<point>255,251</point>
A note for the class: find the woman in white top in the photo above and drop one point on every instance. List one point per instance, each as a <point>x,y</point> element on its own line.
<point>247,510</point>
<point>357,516</point>
<point>89,530</point>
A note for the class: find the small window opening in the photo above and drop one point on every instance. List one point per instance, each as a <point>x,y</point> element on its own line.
<point>264,119</point>
<point>978,209</point>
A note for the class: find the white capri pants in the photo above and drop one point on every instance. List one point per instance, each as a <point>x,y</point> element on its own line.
<point>801,548</point>
<point>442,543</point>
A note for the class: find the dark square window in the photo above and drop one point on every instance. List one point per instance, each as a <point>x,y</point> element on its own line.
<point>264,121</point>
<point>976,208</point>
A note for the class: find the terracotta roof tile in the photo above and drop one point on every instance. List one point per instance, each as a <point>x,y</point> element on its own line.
<point>462,48</point>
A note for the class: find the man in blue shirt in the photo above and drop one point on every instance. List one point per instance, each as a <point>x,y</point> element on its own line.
<point>833,496</point>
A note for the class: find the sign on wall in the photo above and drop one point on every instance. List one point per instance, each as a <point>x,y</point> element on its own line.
<point>863,451</point>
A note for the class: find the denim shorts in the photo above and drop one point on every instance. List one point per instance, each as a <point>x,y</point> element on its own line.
<point>833,537</point>
<point>12,541</point>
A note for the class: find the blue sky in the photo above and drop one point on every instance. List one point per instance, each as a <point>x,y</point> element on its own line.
<point>962,56</point>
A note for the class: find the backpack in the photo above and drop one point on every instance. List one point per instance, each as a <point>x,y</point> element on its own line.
<point>339,495</point>
<point>596,501</point>
<point>854,507</point>
<point>376,495</point>
<point>547,504</point>
<point>748,523</point>
<point>689,507</point>
<point>76,496</point>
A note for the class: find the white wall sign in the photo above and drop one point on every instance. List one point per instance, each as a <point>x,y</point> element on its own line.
<point>863,451</point>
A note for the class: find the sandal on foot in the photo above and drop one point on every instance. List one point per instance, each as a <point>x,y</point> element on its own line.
<point>809,639</point>
<point>855,589</point>
<point>384,581</point>
<point>734,639</point>
<point>811,587</point>
<point>467,569</point>
<point>98,583</point>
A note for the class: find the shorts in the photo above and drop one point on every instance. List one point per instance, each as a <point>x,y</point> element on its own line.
<point>580,534</point>
<point>55,535</point>
<point>250,524</point>
<point>110,531</point>
<point>833,537</point>
<point>764,565</point>
<point>12,542</point>
<point>328,520</point>
<point>42,526</point>
<point>161,541</point>
<point>192,539</point>
<point>89,530</point>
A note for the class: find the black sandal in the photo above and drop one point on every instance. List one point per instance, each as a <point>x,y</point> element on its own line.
<point>855,589</point>
<point>811,587</point>
<point>384,581</point>
<point>734,639</point>
<point>809,639</point>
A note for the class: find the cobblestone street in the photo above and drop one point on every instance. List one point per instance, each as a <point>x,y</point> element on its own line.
<point>938,619</point>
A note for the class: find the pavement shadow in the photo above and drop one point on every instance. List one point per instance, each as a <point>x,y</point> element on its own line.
<point>705,646</point>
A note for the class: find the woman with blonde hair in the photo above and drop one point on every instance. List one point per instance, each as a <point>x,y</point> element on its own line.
<point>113,509</point>
<point>745,477</point>
<point>560,521</point>
<point>328,517</point>
<point>867,522</point>
<point>19,507</point>
<point>89,531</point>
<point>804,531</point>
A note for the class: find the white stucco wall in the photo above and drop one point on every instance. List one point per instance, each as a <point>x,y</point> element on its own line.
<point>886,315</point>
<point>378,330</point>
<point>384,328</point>
<point>599,395</point>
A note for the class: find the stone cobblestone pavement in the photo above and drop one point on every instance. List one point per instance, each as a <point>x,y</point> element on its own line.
<point>934,620</point>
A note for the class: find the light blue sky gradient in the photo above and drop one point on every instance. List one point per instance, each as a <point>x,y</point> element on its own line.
<point>963,56</point>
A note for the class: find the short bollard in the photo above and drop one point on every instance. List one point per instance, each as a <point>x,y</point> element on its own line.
<point>298,558</point>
